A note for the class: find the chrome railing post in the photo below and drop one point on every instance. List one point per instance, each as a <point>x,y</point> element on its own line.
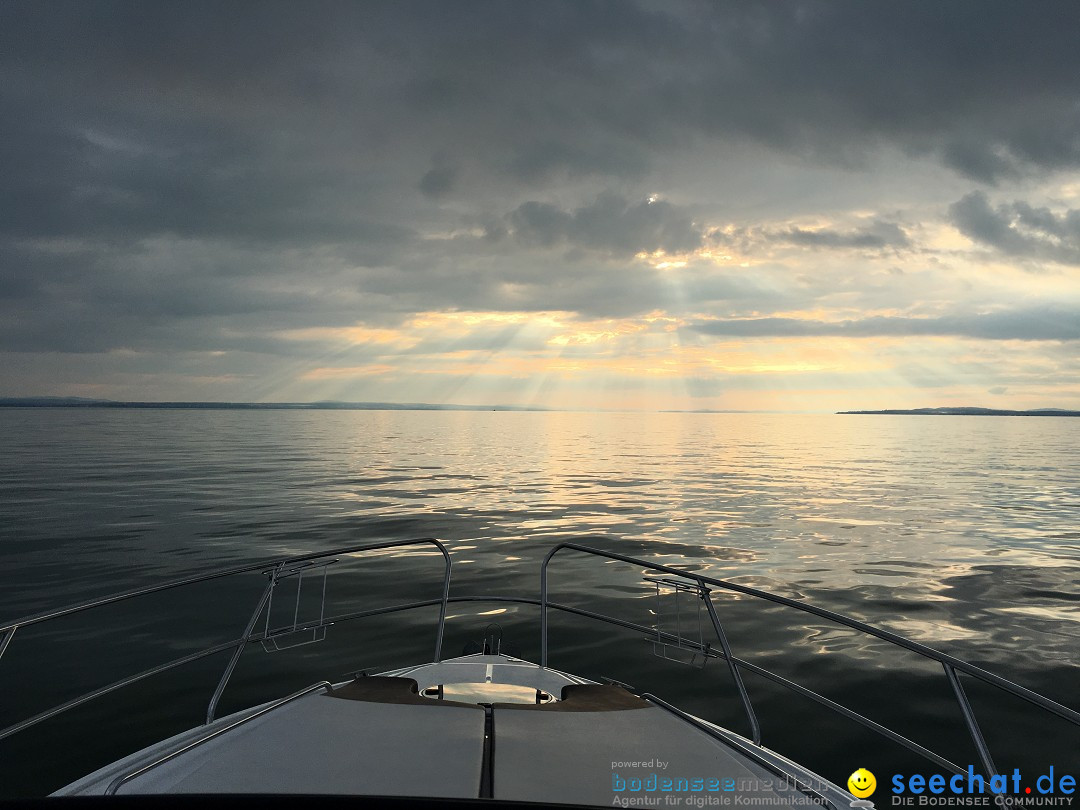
<point>240,647</point>
<point>544,605</point>
<point>755,727</point>
<point>445,599</point>
<point>5,640</point>
<point>970,722</point>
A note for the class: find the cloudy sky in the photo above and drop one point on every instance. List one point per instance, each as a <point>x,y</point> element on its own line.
<point>785,206</point>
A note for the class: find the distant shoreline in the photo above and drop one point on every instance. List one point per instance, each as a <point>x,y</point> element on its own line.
<point>334,405</point>
<point>967,412</point>
<point>78,402</point>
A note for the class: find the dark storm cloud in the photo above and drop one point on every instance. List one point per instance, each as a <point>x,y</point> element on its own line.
<point>579,87</point>
<point>298,158</point>
<point>1021,324</point>
<point>610,223</point>
<point>547,160</point>
<point>91,185</point>
<point>441,179</point>
<point>438,182</point>
<point>1018,229</point>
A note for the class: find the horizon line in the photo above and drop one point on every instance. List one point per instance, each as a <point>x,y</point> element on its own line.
<point>332,404</point>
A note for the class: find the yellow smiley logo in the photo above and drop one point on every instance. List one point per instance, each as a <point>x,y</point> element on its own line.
<point>861,783</point>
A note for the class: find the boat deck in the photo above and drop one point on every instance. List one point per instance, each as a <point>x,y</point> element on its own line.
<point>382,736</point>
<point>485,727</point>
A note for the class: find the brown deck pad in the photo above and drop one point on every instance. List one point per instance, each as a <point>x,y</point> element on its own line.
<point>585,698</point>
<point>387,689</point>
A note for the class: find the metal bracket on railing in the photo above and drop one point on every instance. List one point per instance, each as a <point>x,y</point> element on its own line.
<point>684,650</point>
<point>305,632</point>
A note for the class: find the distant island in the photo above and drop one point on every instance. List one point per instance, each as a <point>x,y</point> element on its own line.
<point>326,405</point>
<point>970,412</point>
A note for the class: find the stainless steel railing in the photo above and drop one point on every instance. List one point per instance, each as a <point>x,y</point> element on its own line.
<point>951,665</point>
<point>273,569</point>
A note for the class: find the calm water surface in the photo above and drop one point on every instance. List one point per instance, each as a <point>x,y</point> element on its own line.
<point>959,532</point>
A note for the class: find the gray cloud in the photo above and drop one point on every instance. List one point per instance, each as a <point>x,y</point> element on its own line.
<point>1021,324</point>
<point>610,223</point>
<point>878,235</point>
<point>176,174</point>
<point>441,179</point>
<point>576,88</point>
<point>1018,229</point>
<point>551,159</point>
<point>438,183</point>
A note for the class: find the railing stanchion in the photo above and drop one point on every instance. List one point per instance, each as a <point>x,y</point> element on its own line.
<point>755,727</point>
<point>445,598</point>
<point>5,640</point>
<point>970,721</point>
<point>240,647</point>
<point>544,606</point>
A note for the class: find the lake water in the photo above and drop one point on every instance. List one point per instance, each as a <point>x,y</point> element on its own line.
<point>959,532</point>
